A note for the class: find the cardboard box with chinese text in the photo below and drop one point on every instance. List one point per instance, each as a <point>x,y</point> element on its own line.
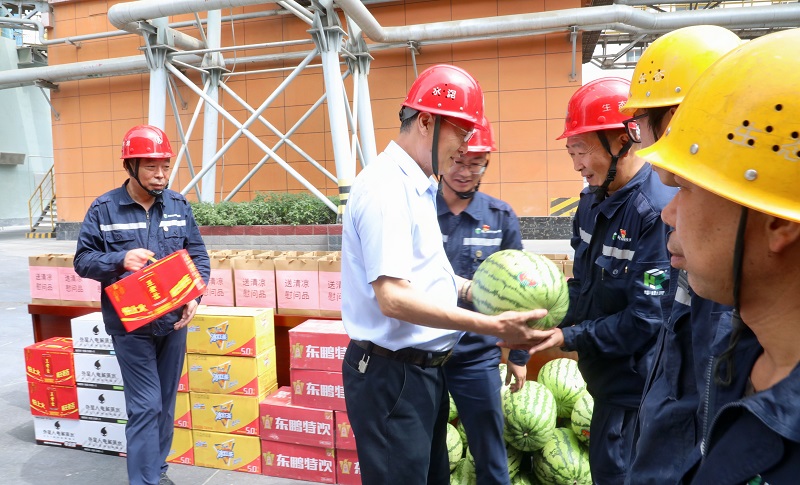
<point>50,361</point>
<point>237,331</point>
<point>318,345</point>
<point>288,423</point>
<point>243,376</point>
<point>227,451</point>
<point>298,462</point>
<point>317,389</point>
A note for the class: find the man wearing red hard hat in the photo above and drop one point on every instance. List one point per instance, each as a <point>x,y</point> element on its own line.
<point>123,230</point>
<point>399,292</point>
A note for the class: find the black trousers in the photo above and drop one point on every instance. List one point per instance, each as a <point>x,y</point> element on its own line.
<point>399,416</point>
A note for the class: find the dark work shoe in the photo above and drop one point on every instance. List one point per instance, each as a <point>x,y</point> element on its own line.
<point>164,480</point>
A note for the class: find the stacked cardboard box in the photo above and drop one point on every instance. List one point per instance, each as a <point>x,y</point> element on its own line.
<point>301,436</point>
<point>231,368</point>
<point>562,261</point>
<point>53,281</point>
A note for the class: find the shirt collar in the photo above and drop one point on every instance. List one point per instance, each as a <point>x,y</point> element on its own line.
<point>410,167</point>
<point>476,208</point>
<point>126,198</point>
<point>614,201</point>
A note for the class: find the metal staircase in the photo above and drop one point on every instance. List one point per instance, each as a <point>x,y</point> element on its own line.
<point>42,208</point>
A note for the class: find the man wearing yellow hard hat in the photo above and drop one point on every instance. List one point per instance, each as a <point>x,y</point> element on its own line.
<point>734,149</point>
<point>667,425</point>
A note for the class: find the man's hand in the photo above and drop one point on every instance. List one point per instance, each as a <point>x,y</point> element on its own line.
<point>514,332</point>
<point>556,339</point>
<point>136,259</point>
<point>188,313</point>
<point>520,373</point>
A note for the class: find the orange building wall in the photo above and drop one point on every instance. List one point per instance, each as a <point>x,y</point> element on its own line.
<point>525,80</point>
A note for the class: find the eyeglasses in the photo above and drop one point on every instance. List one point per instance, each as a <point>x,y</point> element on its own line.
<point>473,169</point>
<point>632,127</point>
<point>467,134</point>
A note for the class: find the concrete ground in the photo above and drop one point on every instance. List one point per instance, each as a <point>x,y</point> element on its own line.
<point>22,461</point>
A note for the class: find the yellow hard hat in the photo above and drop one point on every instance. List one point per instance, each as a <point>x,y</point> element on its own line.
<point>737,133</point>
<point>671,65</point>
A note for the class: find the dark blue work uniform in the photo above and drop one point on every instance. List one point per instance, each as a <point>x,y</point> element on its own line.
<point>748,438</point>
<point>150,357</point>
<point>620,296</point>
<point>486,226</point>
<point>668,426</point>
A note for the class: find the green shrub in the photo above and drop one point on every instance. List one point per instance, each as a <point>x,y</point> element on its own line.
<point>273,208</point>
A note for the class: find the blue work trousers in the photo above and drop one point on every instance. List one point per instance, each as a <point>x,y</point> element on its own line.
<point>475,386</point>
<point>611,442</point>
<point>151,368</point>
<point>399,416</point>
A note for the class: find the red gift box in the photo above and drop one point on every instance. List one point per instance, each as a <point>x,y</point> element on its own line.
<point>155,290</point>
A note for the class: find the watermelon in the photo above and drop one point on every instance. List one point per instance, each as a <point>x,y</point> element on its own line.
<point>513,279</point>
<point>563,460</point>
<point>521,479</point>
<point>514,461</point>
<point>453,410</point>
<point>530,416</point>
<point>464,474</point>
<point>455,449</point>
<point>564,380</point>
<point>582,416</point>
<point>463,433</point>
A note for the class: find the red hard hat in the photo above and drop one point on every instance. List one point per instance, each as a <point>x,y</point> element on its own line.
<point>146,141</point>
<point>447,90</point>
<point>595,107</point>
<point>483,140</point>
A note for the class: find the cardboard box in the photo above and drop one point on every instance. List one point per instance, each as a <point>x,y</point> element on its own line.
<point>254,280</point>
<point>224,413</point>
<point>297,284</point>
<point>568,265</point>
<point>317,389</point>
<point>50,362</point>
<point>105,438</point>
<point>183,383</point>
<point>183,411</point>
<point>318,345</point>
<point>75,289</point>
<point>156,289</point>
<point>182,449</point>
<point>330,285</point>
<point>288,423</point>
<point>43,273</point>
<point>100,371</point>
<point>345,440</point>
<point>243,376</point>
<point>58,432</point>
<point>89,335</point>
<point>52,400</point>
<point>348,470</point>
<point>298,462</point>
<point>102,405</point>
<point>220,290</point>
<point>227,451</point>
<point>231,331</point>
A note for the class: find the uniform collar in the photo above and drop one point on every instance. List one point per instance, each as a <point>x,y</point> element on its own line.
<point>616,200</point>
<point>126,198</point>
<point>410,167</point>
<point>476,208</point>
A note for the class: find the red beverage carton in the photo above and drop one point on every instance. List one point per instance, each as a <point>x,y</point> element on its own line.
<point>156,289</point>
<point>318,345</point>
<point>283,421</point>
<point>345,440</point>
<point>50,362</point>
<point>54,401</point>
<point>348,470</point>
<point>298,462</point>
<point>317,389</point>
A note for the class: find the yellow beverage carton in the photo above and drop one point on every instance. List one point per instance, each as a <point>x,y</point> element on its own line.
<point>227,451</point>
<point>240,331</point>
<point>225,413</point>
<point>242,376</point>
<point>182,449</point>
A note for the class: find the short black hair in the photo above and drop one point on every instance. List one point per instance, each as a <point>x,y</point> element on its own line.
<point>406,124</point>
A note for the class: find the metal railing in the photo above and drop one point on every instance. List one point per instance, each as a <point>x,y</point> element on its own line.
<point>41,205</point>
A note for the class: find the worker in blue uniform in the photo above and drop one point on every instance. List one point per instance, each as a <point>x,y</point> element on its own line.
<point>620,293</point>
<point>122,231</point>
<point>474,226</point>
<point>668,425</point>
<point>732,148</point>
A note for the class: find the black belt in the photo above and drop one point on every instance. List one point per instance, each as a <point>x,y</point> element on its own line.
<point>409,355</point>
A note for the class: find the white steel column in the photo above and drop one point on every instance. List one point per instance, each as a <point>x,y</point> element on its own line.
<point>212,62</point>
<point>327,34</point>
<point>157,107</point>
<point>360,68</point>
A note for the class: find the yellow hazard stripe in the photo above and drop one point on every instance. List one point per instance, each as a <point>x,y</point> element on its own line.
<point>564,206</point>
<point>40,235</point>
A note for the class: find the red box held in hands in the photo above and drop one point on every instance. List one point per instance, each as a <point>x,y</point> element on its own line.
<point>156,289</point>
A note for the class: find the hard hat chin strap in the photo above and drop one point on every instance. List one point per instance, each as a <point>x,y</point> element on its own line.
<point>435,149</point>
<point>602,190</point>
<point>134,172</point>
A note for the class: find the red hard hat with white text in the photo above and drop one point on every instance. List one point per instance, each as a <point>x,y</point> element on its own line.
<point>449,91</point>
<point>146,141</point>
<point>595,107</point>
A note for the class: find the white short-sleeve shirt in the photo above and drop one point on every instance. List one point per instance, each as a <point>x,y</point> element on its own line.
<point>390,228</point>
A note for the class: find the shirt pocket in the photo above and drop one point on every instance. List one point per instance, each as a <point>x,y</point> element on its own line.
<point>611,292</point>
<point>117,241</point>
<point>477,248</point>
<point>174,238</point>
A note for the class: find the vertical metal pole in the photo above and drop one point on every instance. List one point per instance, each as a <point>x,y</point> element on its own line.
<point>157,108</point>
<point>212,60</point>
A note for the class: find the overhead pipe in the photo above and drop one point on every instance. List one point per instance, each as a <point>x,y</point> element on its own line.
<point>628,18</point>
<point>24,24</point>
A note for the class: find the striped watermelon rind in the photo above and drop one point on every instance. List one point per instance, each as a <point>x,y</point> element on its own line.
<point>562,460</point>
<point>455,450</point>
<point>581,419</point>
<point>517,280</point>
<point>464,474</point>
<point>530,415</point>
<point>562,377</point>
<point>453,409</point>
